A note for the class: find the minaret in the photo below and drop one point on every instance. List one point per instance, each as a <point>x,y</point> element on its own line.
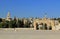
<point>8,16</point>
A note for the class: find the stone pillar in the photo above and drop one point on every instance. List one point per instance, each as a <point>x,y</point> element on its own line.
<point>34,24</point>
<point>53,25</point>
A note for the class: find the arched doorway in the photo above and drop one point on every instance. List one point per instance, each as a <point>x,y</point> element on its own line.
<point>50,27</point>
<point>44,26</point>
<point>41,26</point>
<point>37,26</point>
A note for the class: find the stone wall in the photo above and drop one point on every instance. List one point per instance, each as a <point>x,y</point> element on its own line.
<point>16,29</point>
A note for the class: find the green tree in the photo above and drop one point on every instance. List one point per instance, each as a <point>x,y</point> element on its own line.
<point>0,19</point>
<point>1,25</point>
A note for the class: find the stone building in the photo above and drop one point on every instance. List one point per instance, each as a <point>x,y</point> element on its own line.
<point>47,21</point>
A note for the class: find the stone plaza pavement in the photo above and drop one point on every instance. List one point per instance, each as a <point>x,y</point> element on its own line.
<point>29,34</point>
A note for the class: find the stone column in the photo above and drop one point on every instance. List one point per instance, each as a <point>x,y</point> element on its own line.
<point>34,24</point>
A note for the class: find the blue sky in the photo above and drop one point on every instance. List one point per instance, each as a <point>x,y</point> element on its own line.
<point>30,8</point>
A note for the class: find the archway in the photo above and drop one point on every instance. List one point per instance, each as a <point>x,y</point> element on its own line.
<point>44,26</point>
<point>37,26</point>
<point>49,27</point>
<point>41,26</point>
